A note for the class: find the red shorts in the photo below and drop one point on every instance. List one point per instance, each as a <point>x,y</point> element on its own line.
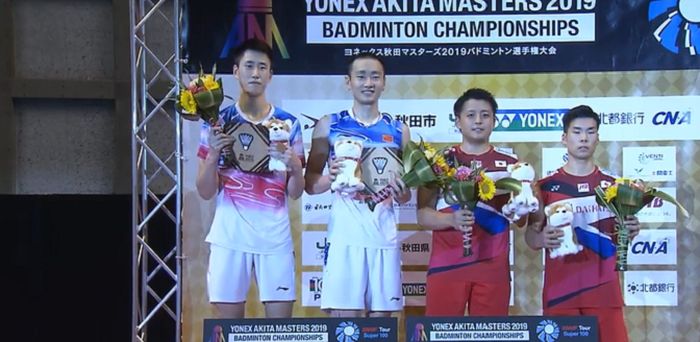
<point>444,298</point>
<point>611,321</point>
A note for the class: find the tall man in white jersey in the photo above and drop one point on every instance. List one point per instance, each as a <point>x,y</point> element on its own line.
<point>362,268</point>
<point>250,235</point>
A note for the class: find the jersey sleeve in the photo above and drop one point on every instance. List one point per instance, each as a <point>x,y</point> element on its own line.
<point>203,150</point>
<point>296,142</point>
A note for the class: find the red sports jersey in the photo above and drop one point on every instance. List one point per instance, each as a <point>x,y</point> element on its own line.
<point>587,279</point>
<point>489,260</point>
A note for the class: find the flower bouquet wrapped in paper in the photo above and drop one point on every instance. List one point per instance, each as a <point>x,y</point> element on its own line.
<point>202,99</point>
<point>624,198</point>
<point>417,171</point>
<point>468,185</point>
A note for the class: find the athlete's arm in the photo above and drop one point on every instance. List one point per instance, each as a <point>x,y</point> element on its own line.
<point>534,229</point>
<point>431,219</point>
<point>538,234</point>
<point>405,194</point>
<point>295,179</point>
<point>208,174</point>
<point>316,181</point>
<point>295,151</point>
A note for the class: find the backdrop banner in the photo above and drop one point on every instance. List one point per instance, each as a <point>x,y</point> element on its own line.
<point>451,36</point>
<point>648,98</point>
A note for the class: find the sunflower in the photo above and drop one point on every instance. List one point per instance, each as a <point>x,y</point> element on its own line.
<point>187,102</point>
<point>487,188</point>
<point>610,193</point>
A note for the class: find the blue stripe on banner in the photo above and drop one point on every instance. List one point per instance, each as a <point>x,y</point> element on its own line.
<point>596,243</point>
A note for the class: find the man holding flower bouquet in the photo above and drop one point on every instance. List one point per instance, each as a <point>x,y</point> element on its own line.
<point>362,266</point>
<point>250,235</point>
<point>583,283</point>
<point>481,279</point>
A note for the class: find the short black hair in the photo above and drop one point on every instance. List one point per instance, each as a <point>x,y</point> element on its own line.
<point>365,55</point>
<point>252,44</point>
<point>475,94</point>
<point>580,112</point>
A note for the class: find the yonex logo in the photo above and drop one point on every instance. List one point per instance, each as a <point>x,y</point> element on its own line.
<point>380,164</point>
<point>245,139</point>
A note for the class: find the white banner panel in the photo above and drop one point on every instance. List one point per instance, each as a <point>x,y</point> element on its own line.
<point>313,247</point>
<point>654,247</point>
<point>650,163</point>
<point>645,118</point>
<point>651,288</point>
<point>658,210</point>
<point>311,288</point>
<point>413,286</point>
<point>552,159</point>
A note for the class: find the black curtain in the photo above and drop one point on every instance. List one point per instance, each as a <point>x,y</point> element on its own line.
<point>70,268</point>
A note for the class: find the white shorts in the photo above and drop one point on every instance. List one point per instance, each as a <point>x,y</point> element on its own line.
<point>358,278</point>
<point>230,271</point>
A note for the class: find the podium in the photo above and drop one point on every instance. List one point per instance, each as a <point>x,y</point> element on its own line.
<point>498,329</point>
<point>418,329</point>
<point>309,329</point>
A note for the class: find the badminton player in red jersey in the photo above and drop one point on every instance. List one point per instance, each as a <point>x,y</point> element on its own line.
<point>481,280</point>
<point>585,283</point>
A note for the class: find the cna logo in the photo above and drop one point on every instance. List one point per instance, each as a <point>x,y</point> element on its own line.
<point>527,120</point>
<point>664,118</point>
<point>676,25</point>
<point>254,19</point>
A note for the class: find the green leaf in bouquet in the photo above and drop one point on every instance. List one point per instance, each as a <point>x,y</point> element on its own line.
<point>213,71</point>
<point>411,156</point>
<point>654,193</point>
<point>629,200</point>
<point>209,99</point>
<point>509,183</point>
<point>462,192</point>
<point>422,173</point>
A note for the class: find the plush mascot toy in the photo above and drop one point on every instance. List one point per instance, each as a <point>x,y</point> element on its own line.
<point>561,215</point>
<point>348,151</point>
<point>280,131</point>
<point>523,202</point>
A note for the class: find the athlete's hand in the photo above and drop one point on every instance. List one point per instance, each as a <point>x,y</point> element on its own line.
<point>632,225</point>
<point>218,140</point>
<point>463,220</point>
<point>399,191</point>
<point>284,153</point>
<point>549,237</point>
<point>334,169</point>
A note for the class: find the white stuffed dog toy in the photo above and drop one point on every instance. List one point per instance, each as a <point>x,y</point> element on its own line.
<point>561,215</point>
<point>523,202</point>
<point>280,131</point>
<point>348,151</point>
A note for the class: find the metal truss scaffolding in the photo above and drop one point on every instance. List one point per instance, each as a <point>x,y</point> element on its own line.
<point>156,171</point>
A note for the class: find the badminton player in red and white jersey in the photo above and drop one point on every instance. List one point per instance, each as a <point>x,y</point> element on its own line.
<point>585,283</point>
<point>479,283</point>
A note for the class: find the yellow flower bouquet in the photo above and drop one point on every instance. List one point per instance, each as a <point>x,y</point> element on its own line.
<point>202,98</point>
<point>467,186</point>
<point>624,198</point>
